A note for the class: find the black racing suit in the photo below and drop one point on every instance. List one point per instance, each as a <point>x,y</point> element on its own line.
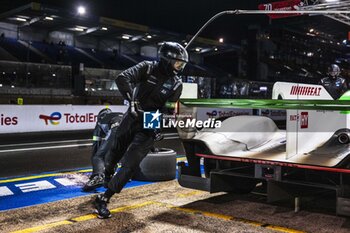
<point>131,140</point>
<point>335,86</point>
<point>101,135</point>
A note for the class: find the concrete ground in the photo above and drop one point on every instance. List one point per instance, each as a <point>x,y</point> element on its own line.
<point>167,207</point>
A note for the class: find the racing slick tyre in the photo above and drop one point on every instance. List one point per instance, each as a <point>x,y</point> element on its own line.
<point>157,166</point>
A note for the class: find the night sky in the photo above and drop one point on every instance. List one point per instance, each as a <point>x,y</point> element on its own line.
<point>183,16</point>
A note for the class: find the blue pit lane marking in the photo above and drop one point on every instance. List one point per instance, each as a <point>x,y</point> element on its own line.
<point>23,191</point>
<point>29,192</point>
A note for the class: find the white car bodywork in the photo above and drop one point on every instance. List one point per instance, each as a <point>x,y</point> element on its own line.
<point>310,137</point>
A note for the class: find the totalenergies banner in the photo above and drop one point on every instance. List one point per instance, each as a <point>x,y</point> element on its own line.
<point>39,118</point>
<point>289,5</point>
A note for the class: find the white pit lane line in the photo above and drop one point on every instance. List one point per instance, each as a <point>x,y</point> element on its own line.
<point>43,143</point>
<point>45,148</point>
<point>88,142</point>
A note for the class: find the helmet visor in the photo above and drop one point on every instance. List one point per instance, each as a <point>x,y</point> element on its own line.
<point>179,65</point>
<point>334,73</point>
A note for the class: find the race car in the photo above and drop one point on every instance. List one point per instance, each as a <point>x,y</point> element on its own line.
<point>308,139</point>
<point>312,153</point>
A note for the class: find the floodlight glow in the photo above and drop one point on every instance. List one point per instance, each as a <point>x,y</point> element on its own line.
<point>198,49</point>
<point>221,40</point>
<point>79,29</point>
<point>48,18</point>
<point>81,10</point>
<point>125,37</point>
<point>21,19</point>
<point>216,49</point>
<point>149,36</point>
<point>104,29</point>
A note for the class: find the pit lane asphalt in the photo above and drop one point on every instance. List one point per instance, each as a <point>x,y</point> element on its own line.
<point>26,154</point>
<point>161,207</point>
<point>167,207</point>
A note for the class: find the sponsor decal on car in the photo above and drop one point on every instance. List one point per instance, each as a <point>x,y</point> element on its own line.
<point>305,90</point>
<point>304,120</point>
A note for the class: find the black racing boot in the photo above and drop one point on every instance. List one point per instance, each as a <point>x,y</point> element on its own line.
<point>94,182</point>
<point>108,177</point>
<point>100,204</point>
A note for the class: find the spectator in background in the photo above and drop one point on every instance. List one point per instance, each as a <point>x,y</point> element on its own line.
<point>334,84</point>
<point>244,91</point>
<point>234,88</point>
<point>223,91</point>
